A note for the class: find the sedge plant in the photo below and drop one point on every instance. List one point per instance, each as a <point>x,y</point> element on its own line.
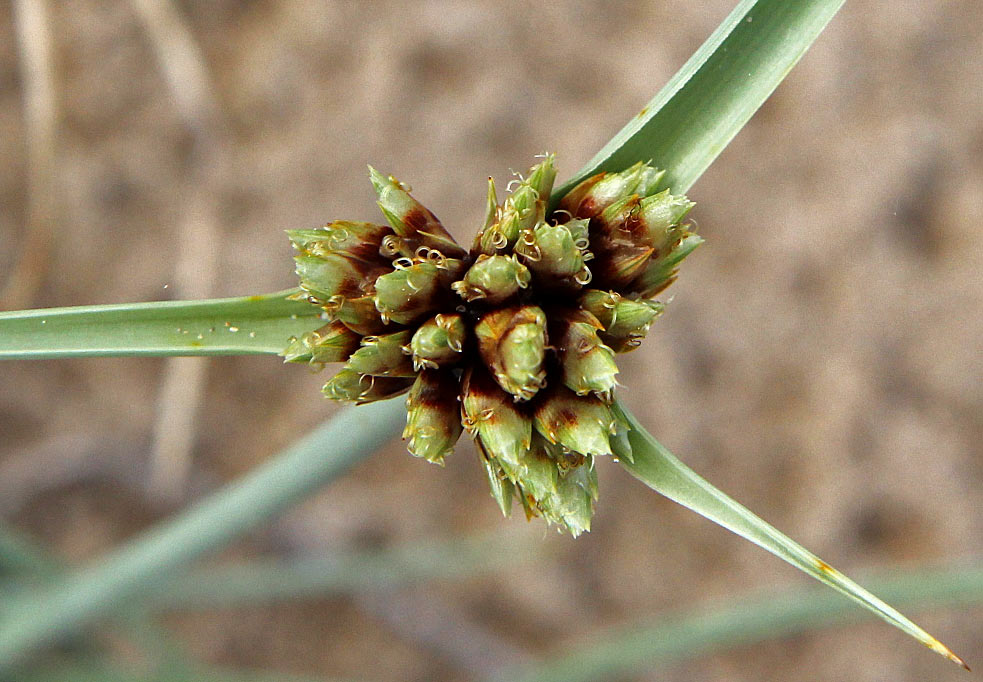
<point>511,339</point>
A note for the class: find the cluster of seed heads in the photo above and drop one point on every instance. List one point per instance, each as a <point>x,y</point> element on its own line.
<point>512,340</point>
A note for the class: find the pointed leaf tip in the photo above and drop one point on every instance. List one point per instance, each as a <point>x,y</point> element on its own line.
<point>660,470</point>
<point>941,649</point>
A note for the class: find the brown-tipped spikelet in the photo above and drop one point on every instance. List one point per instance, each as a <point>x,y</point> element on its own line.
<point>513,341</point>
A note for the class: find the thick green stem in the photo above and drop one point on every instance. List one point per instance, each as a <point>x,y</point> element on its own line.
<point>226,326</point>
<point>33,621</point>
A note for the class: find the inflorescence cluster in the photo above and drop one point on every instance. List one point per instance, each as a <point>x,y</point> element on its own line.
<point>512,340</point>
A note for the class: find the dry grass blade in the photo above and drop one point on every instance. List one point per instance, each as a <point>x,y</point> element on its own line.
<point>35,47</point>
<point>186,73</point>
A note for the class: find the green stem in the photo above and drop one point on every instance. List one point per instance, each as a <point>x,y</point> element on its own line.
<point>32,621</point>
<point>679,637</point>
<point>227,326</point>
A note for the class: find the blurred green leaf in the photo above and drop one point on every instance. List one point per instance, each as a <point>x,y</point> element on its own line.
<point>672,638</point>
<point>99,670</point>
<point>227,326</point>
<point>252,582</point>
<point>37,619</point>
<point>18,554</point>
<point>700,110</point>
<point>135,626</point>
<point>657,468</point>
<point>164,658</point>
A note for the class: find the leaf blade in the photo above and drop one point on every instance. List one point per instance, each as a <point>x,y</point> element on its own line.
<point>674,637</point>
<point>657,468</point>
<point>257,581</point>
<point>706,103</point>
<point>30,621</point>
<point>228,326</point>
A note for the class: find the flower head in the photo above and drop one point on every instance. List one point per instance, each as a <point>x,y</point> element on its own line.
<point>514,340</point>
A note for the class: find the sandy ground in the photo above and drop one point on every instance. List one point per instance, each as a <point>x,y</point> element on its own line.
<point>820,359</point>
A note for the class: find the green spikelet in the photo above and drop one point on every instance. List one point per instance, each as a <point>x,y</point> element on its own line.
<point>333,342</point>
<point>662,271</point>
<point>383,356</point>
<point>438,342</point>
<point>493,279</point>
<point>625,321</point>
<point>490,415</point>
<point>512,342</point>
<point>408,293</point>
<point>351,386</point>
<point>556,256</point>
<point>634,234</point>
<point>583,424</point>
<point>661,215</point>
<point>522,210</point>
<point>596,193</point>
<point>360,315</point>
<point>433,420</point>
<point>572,505</point>
<point>643,222</point>
<point>587,365</point>
<point>538,473</point>
<point>336,274</point>
<point>357,239</point>
<point>502,489</point>
<point>410,219</point>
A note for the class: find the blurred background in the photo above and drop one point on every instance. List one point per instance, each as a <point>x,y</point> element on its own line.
<point>819,361</point>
